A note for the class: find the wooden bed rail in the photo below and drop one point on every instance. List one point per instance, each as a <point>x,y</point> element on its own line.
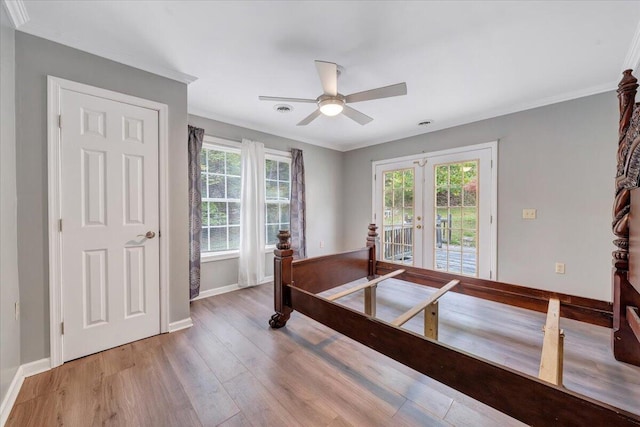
<point>572,307</point>
<point>551,361</point>
<point>430,307</point>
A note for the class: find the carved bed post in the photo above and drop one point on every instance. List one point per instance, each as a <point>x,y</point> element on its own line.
<point>372,242</point>
<point>282,276</point>
<point>625,345</point>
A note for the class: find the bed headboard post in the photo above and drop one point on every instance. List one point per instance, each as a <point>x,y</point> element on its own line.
<point>372,243</point>
<point>282,276</point>
<point>626,346</point>
<point>626,99</point>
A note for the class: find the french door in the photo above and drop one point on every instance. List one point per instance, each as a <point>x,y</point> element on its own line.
<point>436,211</point>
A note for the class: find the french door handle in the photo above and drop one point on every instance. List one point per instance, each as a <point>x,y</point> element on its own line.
<point>418,226</point>
<point>148,235</point>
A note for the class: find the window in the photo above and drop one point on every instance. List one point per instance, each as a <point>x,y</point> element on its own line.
<point>220,199</point>
<point>221,181</point>
<point>277,195</point>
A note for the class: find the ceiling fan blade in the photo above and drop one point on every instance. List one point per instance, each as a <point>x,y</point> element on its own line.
<point>381,92</point>
<point>311,117</point>
<point>278,98</point>
<point>328,72</point>
<point>356,115</point>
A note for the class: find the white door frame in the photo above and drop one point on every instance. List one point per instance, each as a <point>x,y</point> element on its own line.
<point>54,87</point>
<point>493,146</point>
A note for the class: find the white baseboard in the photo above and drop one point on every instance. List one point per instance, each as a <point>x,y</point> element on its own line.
<point>22,372</point>
<point>11,396</point>
<point>180,324</point>
<point>216,291</point>
<point>224,289</point>
<point>36,367</point>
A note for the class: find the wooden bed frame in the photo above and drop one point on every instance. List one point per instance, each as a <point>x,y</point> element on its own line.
<point>534,401</point>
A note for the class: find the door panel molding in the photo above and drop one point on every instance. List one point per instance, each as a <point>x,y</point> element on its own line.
<point>425,157</point>
<point>55,86</point>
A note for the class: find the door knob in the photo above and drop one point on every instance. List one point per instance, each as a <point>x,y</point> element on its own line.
<point>418,226</point>
<point>148,235</point>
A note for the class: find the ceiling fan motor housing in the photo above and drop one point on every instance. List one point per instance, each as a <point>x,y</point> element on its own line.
<point>331,105</point>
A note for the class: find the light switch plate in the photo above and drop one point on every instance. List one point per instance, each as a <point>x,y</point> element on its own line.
<point>528,214</point>
<point>559,267</point>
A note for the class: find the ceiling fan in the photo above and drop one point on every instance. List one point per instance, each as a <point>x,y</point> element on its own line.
<point>332,103</point>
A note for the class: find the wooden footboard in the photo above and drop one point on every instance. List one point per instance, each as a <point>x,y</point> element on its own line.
<point>315,275</point>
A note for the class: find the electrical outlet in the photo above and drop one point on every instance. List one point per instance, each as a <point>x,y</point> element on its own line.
<point>322,243</point>
<point>17,306</point>
<point>560,267</point>
<point>528,214</point>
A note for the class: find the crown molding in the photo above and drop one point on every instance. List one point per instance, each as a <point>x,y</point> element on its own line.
<point>632,60</point>
<point>17,11</point>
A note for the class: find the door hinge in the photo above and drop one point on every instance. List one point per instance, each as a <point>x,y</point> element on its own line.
<point>490,274</point>
<point>159,234</point>
<point>60,121</point>
<point>60,225</point>
<point>62,328</point>
<point>491,163</point>
<point>491,219</point>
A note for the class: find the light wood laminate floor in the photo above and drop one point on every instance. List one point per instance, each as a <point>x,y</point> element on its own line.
<point>231,369</point>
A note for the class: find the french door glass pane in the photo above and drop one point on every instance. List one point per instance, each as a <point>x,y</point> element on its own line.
<point>456,217</point>
<point>397,220</point>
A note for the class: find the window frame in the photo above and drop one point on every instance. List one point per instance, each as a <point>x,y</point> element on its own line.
<point>232,147</point>
<point>284,157</point>
<point>213,142</point>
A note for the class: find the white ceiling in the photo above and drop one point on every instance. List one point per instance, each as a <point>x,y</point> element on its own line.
<point>462,61</point>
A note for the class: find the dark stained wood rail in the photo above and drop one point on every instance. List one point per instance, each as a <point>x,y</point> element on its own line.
<point>572,307</point>
<point>521,396</point>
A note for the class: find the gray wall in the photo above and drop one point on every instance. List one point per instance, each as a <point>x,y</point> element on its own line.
<point>559,159</point>
<point>35,59</point>
<point>323,179</point>
<point>9,290</point>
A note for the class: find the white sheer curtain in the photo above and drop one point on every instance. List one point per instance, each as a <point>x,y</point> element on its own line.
<point>251,261</point>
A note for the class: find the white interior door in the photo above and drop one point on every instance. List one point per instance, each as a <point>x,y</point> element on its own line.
<point>436,211</point>
<point>110,222</point>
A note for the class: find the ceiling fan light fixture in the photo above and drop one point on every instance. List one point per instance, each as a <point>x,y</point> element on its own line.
<point>331,107</point>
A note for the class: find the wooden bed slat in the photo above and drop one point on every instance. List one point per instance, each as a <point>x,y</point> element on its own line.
<point>363,285</point>
<point>410,314</point>
<point>521,396</point>
<point>552,346</point>
<point>583,309</point>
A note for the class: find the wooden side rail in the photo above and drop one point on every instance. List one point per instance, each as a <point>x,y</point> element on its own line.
<point>573,307</point>
<point>430,307</point>
<point>552,346</point>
